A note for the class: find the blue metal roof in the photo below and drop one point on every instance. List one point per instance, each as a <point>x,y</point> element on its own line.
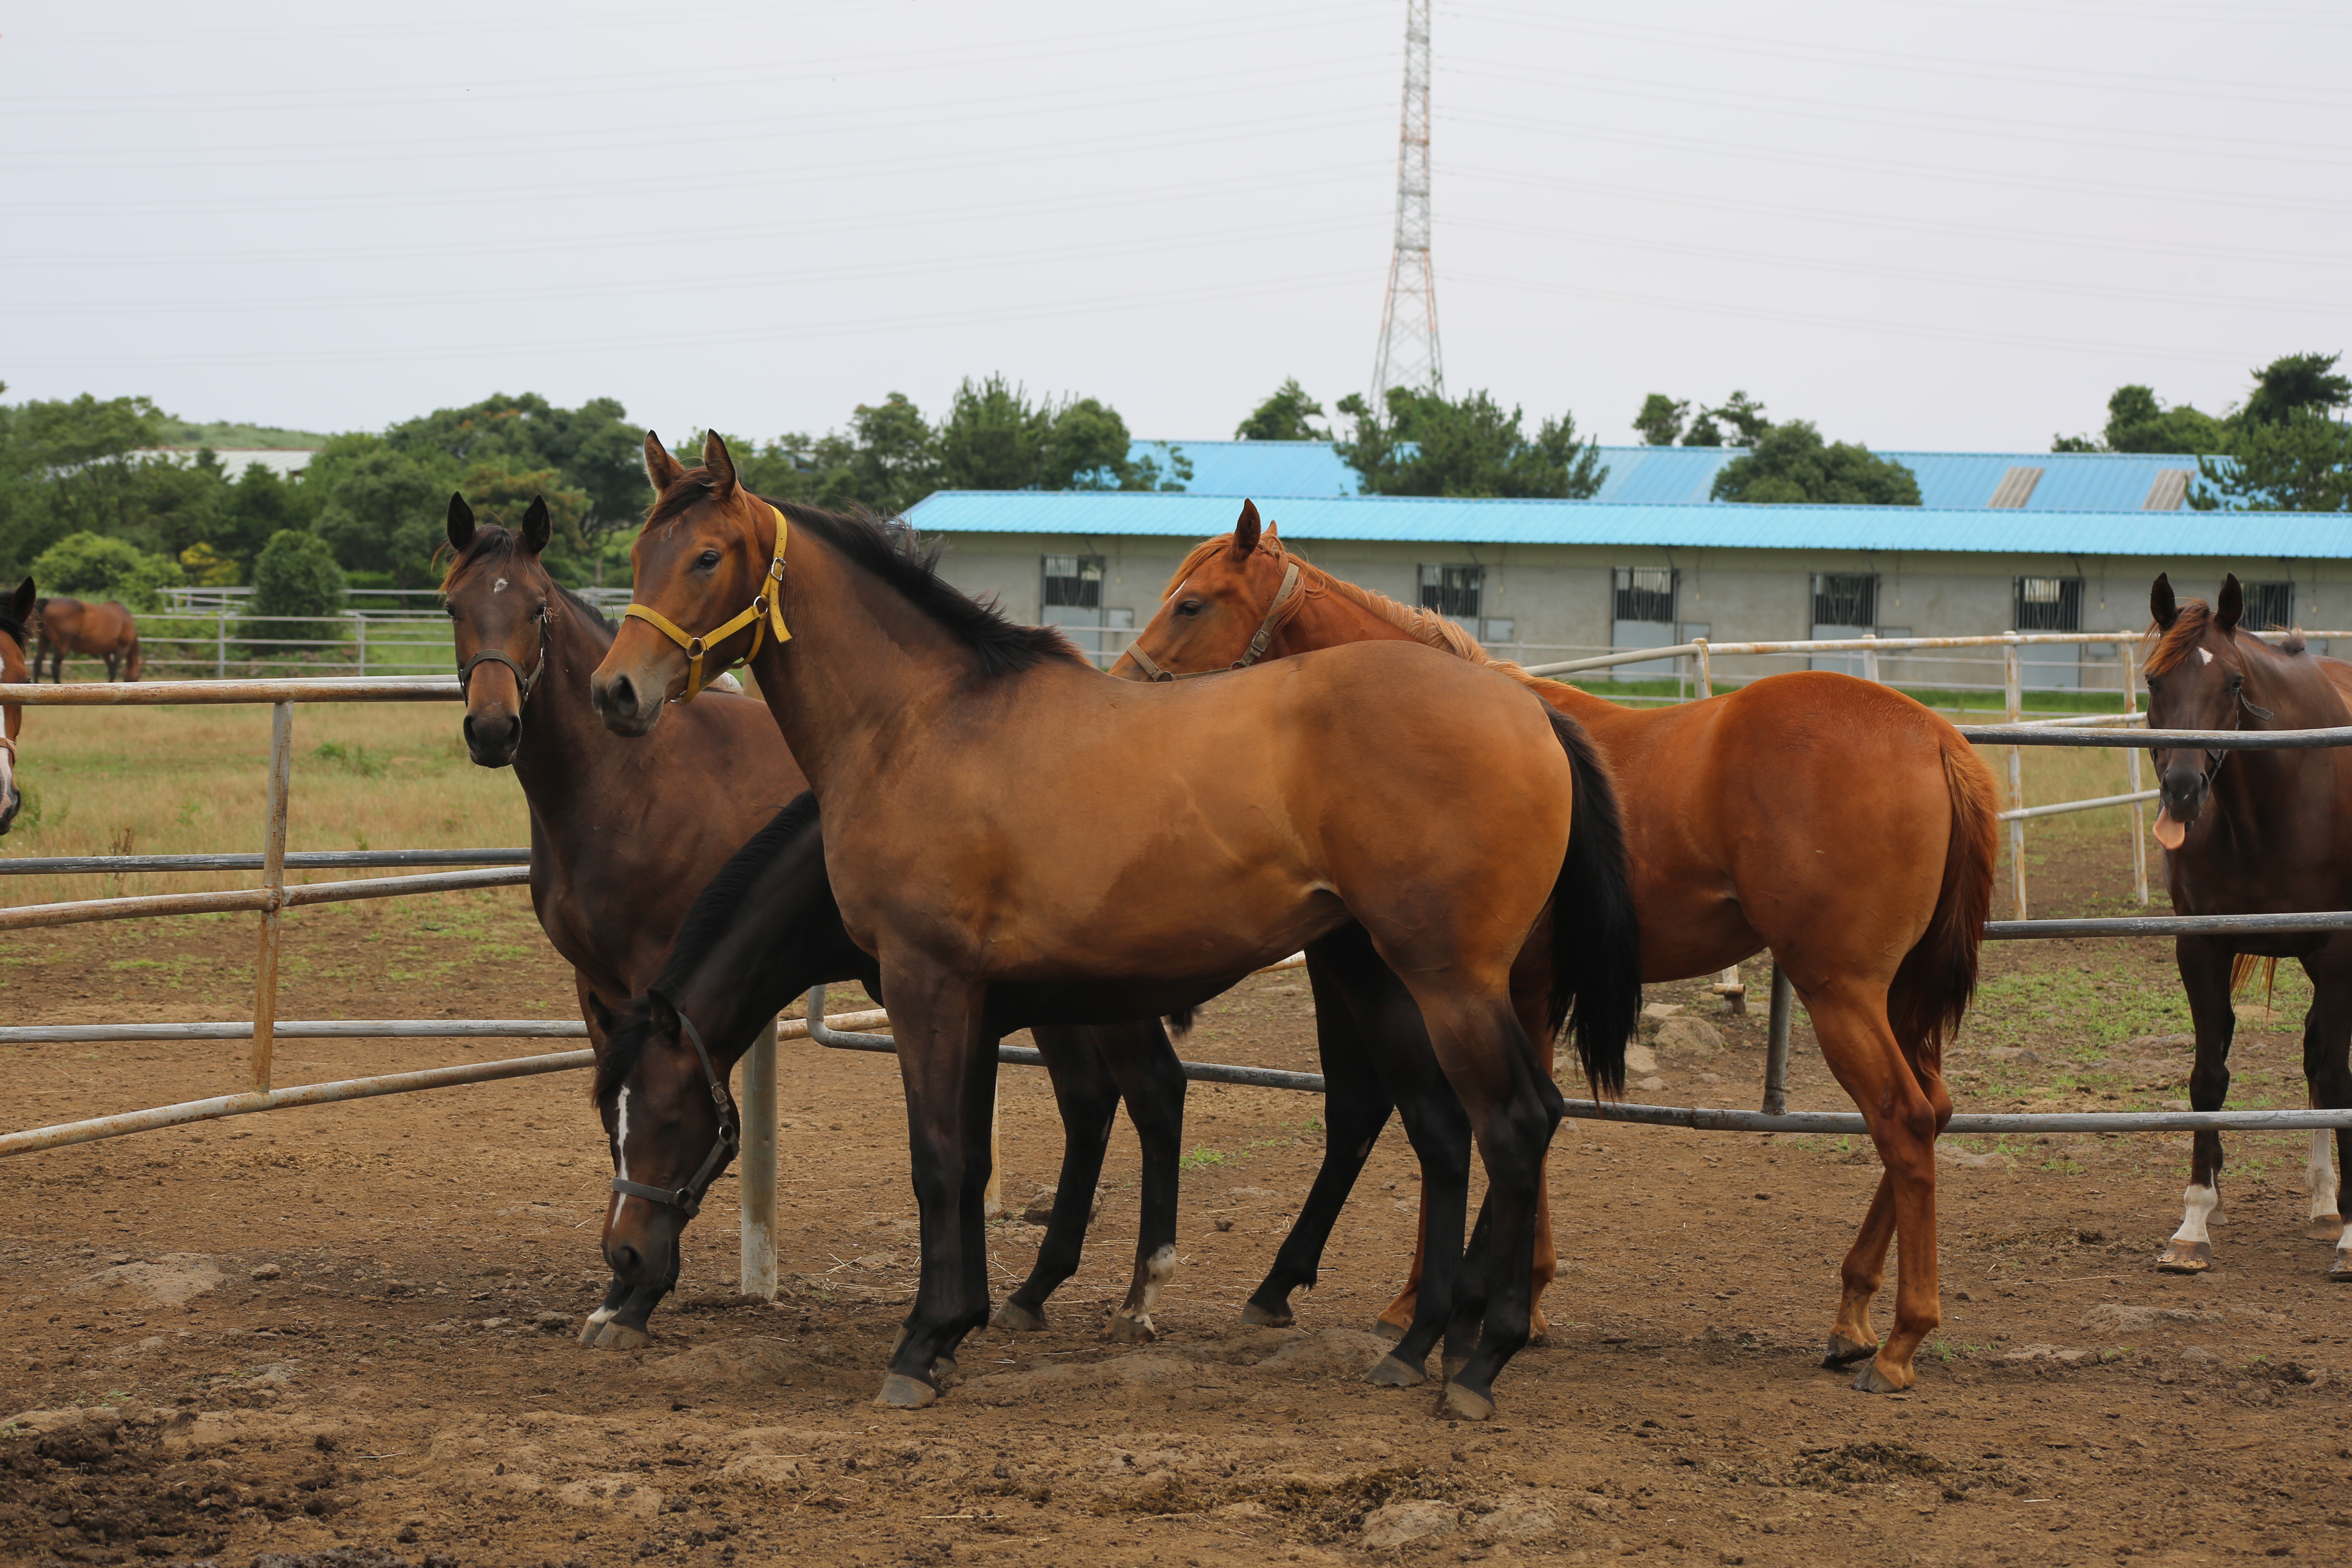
<point>1718,525</point>
<point>2070,481</point>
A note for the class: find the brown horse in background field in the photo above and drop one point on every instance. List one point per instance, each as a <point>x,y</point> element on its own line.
<point>13,636</point>
<point>1006,830</point>
<point>102,631</point>
<point>2253,833</point>
<point>1833,821</point>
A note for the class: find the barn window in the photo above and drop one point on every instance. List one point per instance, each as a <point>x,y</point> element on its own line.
<point>1845,599</point>
<point>2269,606</point>
<point>1453,592</point>
<point>2049,605</point>
<point>1074,582</point>
<point>1646,594</point>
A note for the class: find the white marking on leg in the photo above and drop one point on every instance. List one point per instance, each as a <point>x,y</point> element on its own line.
<point>602,1315</point>
<point>1158,1270</point>
<point>2319,1173</point>
<point>2197,1204</point>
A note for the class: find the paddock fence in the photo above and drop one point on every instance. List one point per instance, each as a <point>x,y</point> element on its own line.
<point>757,1163</point>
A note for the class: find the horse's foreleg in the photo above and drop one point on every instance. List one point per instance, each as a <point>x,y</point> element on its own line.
<point>948,1071</point>
<point>2205,976</point>
<point>2327,1070</point>
<point>1851,1339</point>
<point>1087,1099</point>
<point>1151,1080</point>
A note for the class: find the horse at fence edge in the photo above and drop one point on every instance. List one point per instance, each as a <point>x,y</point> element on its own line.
<point>616,870</point>
<point>1834,821</point>
<point>102,631</point>
<point>997,816</point>
<point>2254,831</point>
<point>15,615</point>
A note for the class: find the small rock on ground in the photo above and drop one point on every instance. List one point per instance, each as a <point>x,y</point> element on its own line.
<point>1403,1523</point>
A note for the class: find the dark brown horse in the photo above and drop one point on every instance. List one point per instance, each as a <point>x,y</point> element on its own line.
<point>102,631</point>
<point>14,637</point>
<point>1833,821</point>
<point>2253,833</point>
<point>1008,831</point>
<point>626,836</point>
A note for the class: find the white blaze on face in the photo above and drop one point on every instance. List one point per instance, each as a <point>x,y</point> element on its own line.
<point>2205,654</point>
<point>621,1147</point>
<point>500,586</point>
<point>2197,1204</point>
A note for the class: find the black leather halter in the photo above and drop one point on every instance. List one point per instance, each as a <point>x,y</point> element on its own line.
<point>689,1197</point>
<point>523,683</point>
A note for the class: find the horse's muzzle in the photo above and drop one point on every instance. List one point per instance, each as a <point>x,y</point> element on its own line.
<point>10,801</point>
<point>628,706</point>
<point>2182,791</point>
<point>492,736</point>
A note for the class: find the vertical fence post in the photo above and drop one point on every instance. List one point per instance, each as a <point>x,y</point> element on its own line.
<point>757,1105</point>
<point>2016,695</point>
<point>220,651</point>
<point>2131,778</point>
<point>273,881</point>
<point>1870,657</point>
<point>1706,671</point>
<point>360,616</point>
<point>1776,1049</point>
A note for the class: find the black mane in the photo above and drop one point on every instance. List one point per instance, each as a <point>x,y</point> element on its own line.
<point>707,920</point>
<point>890,550</point>
<point>14,627</point>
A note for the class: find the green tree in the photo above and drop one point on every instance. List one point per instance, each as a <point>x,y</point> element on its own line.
<point>1791,463</point>
<point>295,576</point>
<point>96,566</point>
<point>1660,422</point>
<point>258,505</point>
<point>1742,412</point>
<point>2294,385</point>
<point>1288,416</point>
<point>1429,446</point>
<point>994,438</point>
<point>2301,463</point>
<point>383,510</point>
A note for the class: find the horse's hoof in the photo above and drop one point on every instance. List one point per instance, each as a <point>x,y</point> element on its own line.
<point>900,1392</point>
<point>1393,1370</point>
<point>592,1327</point>
<point>2326,1228</point>
<point>1844,1352</point>
<point>1454,1365</point>
<point>1265,1317</point>
<point>620,1337</point>
<point>2185,1257</point>
<point>1460,1403</point>
<point>1014,1318</point>
<point>943,1369</point>
<point>2340,1271</point>
<point>1874,1378</point>
<point>1384,1329</point>
<point>1130,1331</point>
<point>1538,1339</point>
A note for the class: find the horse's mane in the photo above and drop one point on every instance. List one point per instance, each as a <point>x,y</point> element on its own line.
<point>890,550</point>
<point>494,544</point>
<point>707,920</point>
<point>1425,627</point>
<point>2173,643</point>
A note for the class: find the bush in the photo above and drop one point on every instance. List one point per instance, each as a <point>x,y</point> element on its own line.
<point>92,566</point>
<point>295,575</point>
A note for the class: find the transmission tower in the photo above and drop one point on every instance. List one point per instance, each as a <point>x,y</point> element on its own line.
<point>1408,354</point>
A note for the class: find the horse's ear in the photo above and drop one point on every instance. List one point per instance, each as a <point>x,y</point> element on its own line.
<point>1246,531</point>
<point>2162,605</point>
<point>719,465</point>
<point>661,468</point>
<point>537,529</point>
<point>2231,606</point>
<point>21,606</point>
<point>461,523</point>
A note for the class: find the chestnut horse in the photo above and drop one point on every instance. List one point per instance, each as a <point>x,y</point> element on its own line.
<point>1008,831</point>
<point>14,638</point>
<point>2249,832</point>
<point>617,868</point>
<point>1836,822</point>
<point>103,631</point>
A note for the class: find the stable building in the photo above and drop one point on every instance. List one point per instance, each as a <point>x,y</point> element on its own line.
<point>1541,581</point>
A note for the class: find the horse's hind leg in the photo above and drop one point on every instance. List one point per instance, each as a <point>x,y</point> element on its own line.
<point>1346,976</point>
<point>1087,1099</point>
<point>2327,1070</point>
<point>1152,1081</point>
<point>1904,1105</point>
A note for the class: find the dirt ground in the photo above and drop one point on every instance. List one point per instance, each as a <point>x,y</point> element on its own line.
<point>345,1335</point>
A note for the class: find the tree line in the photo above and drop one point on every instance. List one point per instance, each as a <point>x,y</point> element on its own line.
<point>2284,448</point>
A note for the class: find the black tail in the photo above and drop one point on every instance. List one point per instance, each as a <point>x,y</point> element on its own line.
<point>1596,940</point>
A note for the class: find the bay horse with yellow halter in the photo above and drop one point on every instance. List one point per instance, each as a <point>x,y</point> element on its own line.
<point>2247,833</point>
<point>15,614</point>
<point>1013,836</point>
<point>1835,822</point>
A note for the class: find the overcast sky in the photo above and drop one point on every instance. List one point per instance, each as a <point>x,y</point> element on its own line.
<point>1922,224</point>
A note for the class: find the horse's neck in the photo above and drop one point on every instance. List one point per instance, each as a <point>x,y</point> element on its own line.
<point>863,665</point>
<point>2258,792</point>
<point>565,750</point>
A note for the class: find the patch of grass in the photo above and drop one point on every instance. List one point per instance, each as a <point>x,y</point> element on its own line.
<point>1203,1158</point>
<point>354,757</point>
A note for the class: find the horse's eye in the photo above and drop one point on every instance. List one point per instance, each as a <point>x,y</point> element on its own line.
<point>706,560</point>
<point>449,610</point>
<point>1189,607</point>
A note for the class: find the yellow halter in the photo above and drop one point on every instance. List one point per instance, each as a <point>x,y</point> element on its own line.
<point>764,610</point>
